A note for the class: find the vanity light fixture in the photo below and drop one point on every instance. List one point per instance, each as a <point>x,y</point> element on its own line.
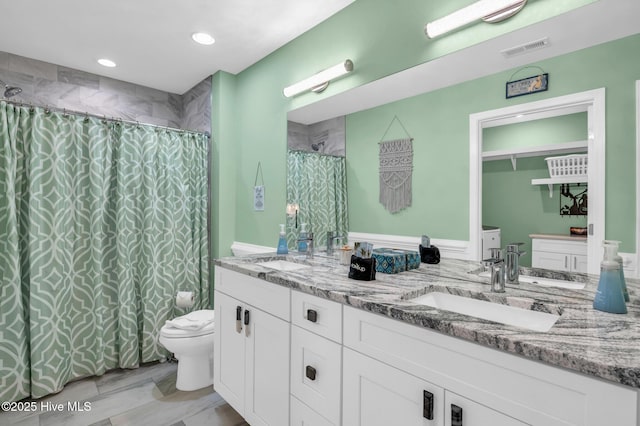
<point>491,11</point>
<point>319,81</point>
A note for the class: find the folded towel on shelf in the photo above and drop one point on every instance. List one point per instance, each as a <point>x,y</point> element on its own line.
<point>192,321</point>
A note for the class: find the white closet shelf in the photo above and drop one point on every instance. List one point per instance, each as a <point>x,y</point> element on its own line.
<point>535,151</point>
<point>559,180</point>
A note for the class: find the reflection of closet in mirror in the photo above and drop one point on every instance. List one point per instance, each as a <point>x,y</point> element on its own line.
<point>593,103</point>
<point>514,155</point>
<point>316,179</point>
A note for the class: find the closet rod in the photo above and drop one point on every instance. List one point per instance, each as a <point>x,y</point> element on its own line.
<point>101,117</point>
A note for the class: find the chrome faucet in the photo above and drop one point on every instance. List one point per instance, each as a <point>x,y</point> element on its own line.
<point>512,262</point>
<point>497,267</point>
<point>309,240</point>
<point>331,239</point>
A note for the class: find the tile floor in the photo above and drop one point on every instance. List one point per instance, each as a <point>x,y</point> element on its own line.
<point>145,396</point>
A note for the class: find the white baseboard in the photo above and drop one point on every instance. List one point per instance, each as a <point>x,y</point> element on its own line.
<point>240,248</point>
<point>451,249</point>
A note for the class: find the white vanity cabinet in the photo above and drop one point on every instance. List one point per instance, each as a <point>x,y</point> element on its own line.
<point>251,347</point>
<point>559,254</point>
<point>388,365</point>
<point>316,360</point>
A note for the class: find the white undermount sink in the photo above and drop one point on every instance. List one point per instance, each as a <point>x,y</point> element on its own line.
<point>545,282</point>
<point>496,312</point>
<point>282,265</point>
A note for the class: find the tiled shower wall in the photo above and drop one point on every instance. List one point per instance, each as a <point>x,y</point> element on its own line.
<point>45,84</point>
<point>328,136</point>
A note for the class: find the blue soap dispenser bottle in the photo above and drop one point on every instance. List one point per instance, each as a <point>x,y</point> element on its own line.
<point>618,259</point>
<point>609,296</point>
<point>282,241</point>
<point>302,239</point>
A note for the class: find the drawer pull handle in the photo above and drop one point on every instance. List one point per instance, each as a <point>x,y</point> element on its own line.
<point>456,415</point>
<point>312,315</point>
<point>246,317</point>
<point>427,405</point>
<point>238,319</point>
<point>310,372</point>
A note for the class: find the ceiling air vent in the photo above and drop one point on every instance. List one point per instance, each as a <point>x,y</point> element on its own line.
<point>525,48</point>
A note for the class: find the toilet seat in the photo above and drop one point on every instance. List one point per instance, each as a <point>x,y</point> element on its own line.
<point>177,333</point>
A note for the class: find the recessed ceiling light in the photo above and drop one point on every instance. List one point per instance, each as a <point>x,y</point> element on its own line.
<point>106,62</point>
<point>203,38</point>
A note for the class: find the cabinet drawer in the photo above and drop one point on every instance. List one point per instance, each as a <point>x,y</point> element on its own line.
<point>302,415</point>
<point>316,368</point>
<point>559,246</point>
<point>271,298</point>
<point>320,316</point>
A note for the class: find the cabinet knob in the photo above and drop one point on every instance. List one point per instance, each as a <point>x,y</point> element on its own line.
<point>310,372</point>
<point>427,405</point>
<point>312,315</point>
<point>456,415</point>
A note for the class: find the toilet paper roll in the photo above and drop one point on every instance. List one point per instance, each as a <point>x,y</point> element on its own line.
<point>184,299</point>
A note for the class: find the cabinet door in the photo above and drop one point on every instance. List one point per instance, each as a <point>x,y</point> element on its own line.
<point>267,373</point>
<point>460,411</point>
<point>315,372</point>
<point>578,263</point>
<point>229,350</point>
<point>549,260</point>
<point>375,394</point>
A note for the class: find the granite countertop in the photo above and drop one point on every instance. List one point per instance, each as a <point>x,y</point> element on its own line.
<point>584,340</point>
<point>567,237</point>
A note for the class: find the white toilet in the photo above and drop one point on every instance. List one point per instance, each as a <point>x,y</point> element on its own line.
<point>194,351</point>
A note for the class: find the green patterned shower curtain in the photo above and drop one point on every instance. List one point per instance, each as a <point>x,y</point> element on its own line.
<point>318,184</point>
<point>101,223</point>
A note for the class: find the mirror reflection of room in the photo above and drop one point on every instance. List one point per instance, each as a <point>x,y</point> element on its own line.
<point>317,182</point>
<point>515,210</point>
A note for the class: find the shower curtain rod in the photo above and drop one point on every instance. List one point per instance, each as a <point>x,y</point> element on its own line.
<point>101,117</point>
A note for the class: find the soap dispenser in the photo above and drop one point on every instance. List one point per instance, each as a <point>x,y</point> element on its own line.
<point>282,241</point>
<point>609,296</point>
<point>618,259</point>
<point>302,238</point>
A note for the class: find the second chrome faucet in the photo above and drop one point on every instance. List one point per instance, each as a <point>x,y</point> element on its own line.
<point>504,269</point>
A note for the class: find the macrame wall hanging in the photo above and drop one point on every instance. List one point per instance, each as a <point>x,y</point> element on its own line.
<point>396,168</point>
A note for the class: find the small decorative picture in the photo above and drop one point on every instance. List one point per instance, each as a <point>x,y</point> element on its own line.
<point>573,200</point>
<point>258,198</point>
<point>527,86</point>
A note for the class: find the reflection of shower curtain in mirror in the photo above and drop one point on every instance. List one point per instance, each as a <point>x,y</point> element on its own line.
<point>318,183</point>
<point>101,223</point>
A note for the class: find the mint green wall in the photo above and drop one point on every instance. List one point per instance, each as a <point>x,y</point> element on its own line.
<point>549,131</point>
<point>223,164</point>
<point>381,38</point>
<point>439,123</point>
<point>519,208</point>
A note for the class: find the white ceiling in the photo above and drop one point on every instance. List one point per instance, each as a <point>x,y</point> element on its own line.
<point>150,40</point>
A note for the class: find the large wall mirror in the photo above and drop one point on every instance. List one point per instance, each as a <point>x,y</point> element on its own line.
<point>316,180</point>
